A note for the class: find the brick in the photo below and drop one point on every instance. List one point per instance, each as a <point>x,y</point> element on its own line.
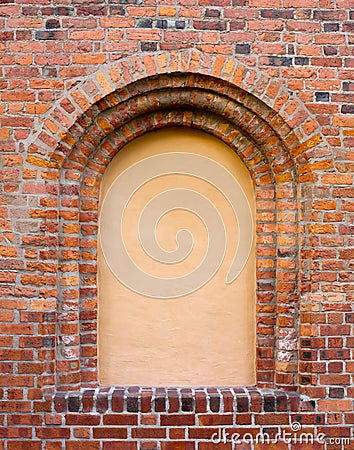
<point>24,445</point>
<point>82,419</point>
<point>148,433</point>
<point>16,329</point>
<point>215,419</point>
<point>87,35</point>
<point>120,419</point>
<point>122,445</point>
<point>293,59</point>
<point>53,433</point>
<point>335,405</point>
<point>182,445</point>
<point>166,11</point>
<point>82,445</point>
<point>109,433</point>
<point>209,25</point>
<point>177,419</point>
<point>23,419</point>
<point>89,58</point>
<point>116,23</point>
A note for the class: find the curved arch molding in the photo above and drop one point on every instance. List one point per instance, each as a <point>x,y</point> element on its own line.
<point>265,125</point>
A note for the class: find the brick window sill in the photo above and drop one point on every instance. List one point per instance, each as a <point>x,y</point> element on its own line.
<point>177,400</point>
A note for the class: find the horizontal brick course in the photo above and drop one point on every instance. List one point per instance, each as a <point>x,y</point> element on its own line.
<point>279,79</point>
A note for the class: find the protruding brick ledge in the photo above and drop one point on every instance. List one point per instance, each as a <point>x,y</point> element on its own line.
<point>178,400</point>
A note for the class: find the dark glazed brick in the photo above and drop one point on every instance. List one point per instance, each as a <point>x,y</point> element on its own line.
<point>187,399</point>
<point>52,23</point>
<point>277,13</point>
<point>336,392</point>
<point>347,86</point>
<point>305,380</point>
<point>74,403</point>
<point>329,50</point>
<point>280,61</point>
<point>64,11</point>
<point>349,318</point>
<point>331,27</point>
<point>187,403</point>
<point>117,10</point>
<point>92,10</point>
<point>57,11</point>
<point>160,400</point>
<point>49,317</point>
<point>132,403</point>
<point>212,13</point>
<point>144,23</point>
<point>180,24</point>
<point>302,61</point>
<point>269,403</point>
<point>48,342</point>
<point>161,23</point>
<point>148,46</point>
<point>242,403</point>
<point>322,96</point>
<point>50,35</point>
<point>243,48</point>
<point>214,400</point>
<point>347,109</point>
<point>307,355</point>
<point>320,419</point>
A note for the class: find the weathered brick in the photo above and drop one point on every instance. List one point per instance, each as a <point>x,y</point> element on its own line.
<point>292,67</point>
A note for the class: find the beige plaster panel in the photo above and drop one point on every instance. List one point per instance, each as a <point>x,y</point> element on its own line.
<point>206,337</point>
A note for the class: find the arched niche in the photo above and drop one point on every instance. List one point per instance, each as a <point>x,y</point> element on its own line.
<point>271,131</point>
<point>176,309</point>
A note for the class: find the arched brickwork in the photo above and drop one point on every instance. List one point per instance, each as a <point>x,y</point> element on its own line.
<point>270,131</point>
<point>80,100</point>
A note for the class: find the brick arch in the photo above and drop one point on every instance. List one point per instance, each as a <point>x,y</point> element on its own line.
<point>255,122</point>
<point>63,122</point>
<point>273,149</point>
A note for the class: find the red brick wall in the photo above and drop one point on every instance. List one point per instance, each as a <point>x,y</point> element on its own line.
<point>273,79</point>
